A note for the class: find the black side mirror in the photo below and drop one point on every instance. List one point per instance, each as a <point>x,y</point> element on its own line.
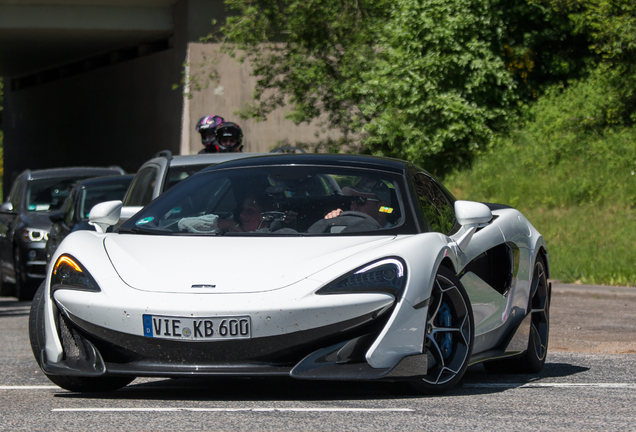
<point>57,216</point>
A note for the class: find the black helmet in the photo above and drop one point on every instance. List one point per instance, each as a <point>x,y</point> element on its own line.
<point>229,130</point>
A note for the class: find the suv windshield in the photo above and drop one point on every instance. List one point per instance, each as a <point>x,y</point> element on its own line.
<point>179,173</point>
<point>49,194</point>
<point>278,199</point>
<point>95,194</point>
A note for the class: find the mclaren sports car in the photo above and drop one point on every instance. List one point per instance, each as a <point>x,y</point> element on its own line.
<point>315,267</point>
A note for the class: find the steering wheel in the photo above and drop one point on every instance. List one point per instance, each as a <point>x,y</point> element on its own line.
<point>361,215</point>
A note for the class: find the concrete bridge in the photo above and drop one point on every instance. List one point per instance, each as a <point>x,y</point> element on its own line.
<point>90,82</point>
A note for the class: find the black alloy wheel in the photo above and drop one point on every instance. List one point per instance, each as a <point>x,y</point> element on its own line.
<point>449,334</point>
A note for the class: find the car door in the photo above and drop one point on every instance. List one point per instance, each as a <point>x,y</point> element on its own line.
<point>8,219</point>
<point>486,262</point>
<point>142,189</point>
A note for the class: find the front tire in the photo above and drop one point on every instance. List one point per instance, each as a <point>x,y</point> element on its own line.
<point>71,383</point>
<point>448,336</point>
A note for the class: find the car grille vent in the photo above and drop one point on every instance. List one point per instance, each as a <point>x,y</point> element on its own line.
<point>72,342</point>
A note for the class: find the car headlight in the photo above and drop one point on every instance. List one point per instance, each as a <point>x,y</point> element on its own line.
<point>35,235</point>
<point>68,273</point>
<point>387,275</point>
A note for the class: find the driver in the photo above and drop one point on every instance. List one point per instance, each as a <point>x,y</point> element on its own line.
<point>369,196</point>
<point>250,216</point>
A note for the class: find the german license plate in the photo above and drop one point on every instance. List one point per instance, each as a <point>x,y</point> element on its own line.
<point>197,329</point>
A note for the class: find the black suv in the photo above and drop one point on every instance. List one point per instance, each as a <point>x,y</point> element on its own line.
<point>25,224</point>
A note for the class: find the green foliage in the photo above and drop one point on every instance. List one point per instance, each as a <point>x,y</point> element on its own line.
<point>308,54</point>
<point>440,87</point>
<point>610,25</point>
<point>572,172</point>
<point>542,46</point>
<point>421,80</point>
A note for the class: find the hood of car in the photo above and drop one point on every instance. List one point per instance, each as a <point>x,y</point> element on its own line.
<point>37,220</point>
<point>226,264</point>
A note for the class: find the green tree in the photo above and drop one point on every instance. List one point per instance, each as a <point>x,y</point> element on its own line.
<point>610,25</point>
<point>440,87</point>
<point>309,55</point>
<point>542,47</point>
<point>422,80</point>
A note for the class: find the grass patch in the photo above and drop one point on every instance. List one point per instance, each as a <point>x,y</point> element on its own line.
<point>577,186</point>
<point>589,244</point>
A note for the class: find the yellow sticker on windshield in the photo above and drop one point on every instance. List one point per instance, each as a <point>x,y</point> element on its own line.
<point>386,209</point>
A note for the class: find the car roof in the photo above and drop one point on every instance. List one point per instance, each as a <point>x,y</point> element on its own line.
<point>96,181</point>
<point>345,160</point>
<point>73,172</point>
<point>205,158</point>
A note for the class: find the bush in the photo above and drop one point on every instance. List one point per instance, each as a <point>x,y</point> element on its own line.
<point>572,171</point>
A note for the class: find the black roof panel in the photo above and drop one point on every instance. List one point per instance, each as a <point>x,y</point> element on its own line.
<point>359,161</point>
<point>74,172</point>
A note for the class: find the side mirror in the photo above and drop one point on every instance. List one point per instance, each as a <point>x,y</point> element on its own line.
<point>57,216</point>
<point>104,215</point>
<point>470,215</point>
<point>6,207</point>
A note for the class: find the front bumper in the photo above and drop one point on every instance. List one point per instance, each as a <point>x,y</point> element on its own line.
<point>335,351</point>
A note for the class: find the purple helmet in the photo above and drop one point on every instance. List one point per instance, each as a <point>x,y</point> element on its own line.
<point>206,126</point>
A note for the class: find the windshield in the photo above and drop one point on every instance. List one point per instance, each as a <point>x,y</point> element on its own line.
<point>179,173</point>
<point>95,194</point>
<point>49,194</point>
<point>288,200</point>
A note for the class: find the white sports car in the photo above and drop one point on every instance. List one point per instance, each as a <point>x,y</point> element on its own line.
<point>334,267</point>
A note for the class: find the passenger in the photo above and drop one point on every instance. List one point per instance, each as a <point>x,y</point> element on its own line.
<point>250,216</point>
<point>371,197</point>
<point>229,137</point>
<point>207,126</point>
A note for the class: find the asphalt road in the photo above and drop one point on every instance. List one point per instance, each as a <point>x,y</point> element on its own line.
<point>588,383</point>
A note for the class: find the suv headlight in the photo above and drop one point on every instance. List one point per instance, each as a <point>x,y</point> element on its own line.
<point>35,235</point>
<point>386,275</point>
<point>68,273</point>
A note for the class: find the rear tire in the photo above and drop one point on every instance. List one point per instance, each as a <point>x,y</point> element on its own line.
<point>72,383</point>
<point>448,336</point>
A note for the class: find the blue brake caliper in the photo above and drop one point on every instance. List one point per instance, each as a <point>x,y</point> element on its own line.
<point>444,320</point>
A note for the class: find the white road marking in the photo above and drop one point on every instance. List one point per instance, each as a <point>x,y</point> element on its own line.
<point>232,409</point>
<point>42,387</point>
<point>558,385</point>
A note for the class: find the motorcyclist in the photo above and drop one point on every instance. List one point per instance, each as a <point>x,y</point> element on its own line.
<point>207,127</point>
<point>229,137</point>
